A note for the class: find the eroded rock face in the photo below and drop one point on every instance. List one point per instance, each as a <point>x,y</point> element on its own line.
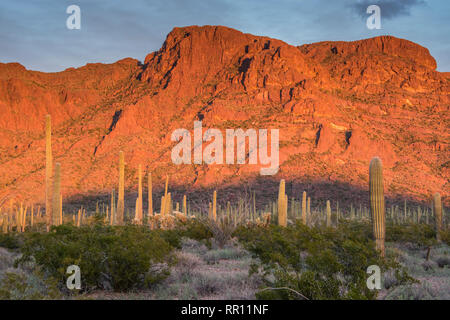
<point>337,104</point>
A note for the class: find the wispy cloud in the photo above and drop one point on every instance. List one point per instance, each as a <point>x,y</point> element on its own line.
<point>390,9</point>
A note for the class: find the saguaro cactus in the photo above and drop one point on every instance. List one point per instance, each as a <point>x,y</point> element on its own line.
<point>48,170</point>
<point>185,205</point>
<point>166,188</point>
<point>282,207</point>
<point>139,211</point>
<point>214,206</point>
<point>308,211</point>
<point>169,204</point>
<point>121,196</point>
<point>163,203</point>
<point>304,208</point>
<point>437,205</point>
<point>377,202</point>
<point>150,195</point>
<point>56,205</point>
<point>113,211</point>
<point>328,214</point>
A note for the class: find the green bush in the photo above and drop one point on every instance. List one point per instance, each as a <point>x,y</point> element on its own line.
<point>419,234</point>
<point>196,230</point>
<point>9,240</point>
<point>121,258</point>
<point>192,229</point>
<point>445,236</point>
<point>318,263</point>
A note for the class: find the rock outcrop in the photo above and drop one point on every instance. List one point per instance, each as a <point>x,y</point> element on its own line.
<point>337,104</point>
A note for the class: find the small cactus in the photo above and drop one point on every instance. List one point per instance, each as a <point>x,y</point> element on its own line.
<point>437,205</point>
<point>185,205</point>
<point>304,208</point>
<point>377,203</point>
<point>328,214</point>
<point>169,205</point>
<point>308,210</point>
<point>163,203</point>
<point>214,206</point>
<point>113,211</point>
<point>282,205</point>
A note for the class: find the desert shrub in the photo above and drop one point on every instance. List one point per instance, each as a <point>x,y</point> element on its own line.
<point>417,291</point>
<point>221,230</point>
<point>23,286</point>
<point>420,235</point>
<point>318,263</point>
<point>121,258</point>
<point>10,240</point>
<point>196,230</point>
<point>445,236</point>
<point>443,261</point>
<point>215,256</point>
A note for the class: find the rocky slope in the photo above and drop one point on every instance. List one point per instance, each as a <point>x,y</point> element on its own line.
<point>337,104</point>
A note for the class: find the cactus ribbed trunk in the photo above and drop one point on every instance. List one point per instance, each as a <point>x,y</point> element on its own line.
<point>185,205</point>
<point>304,208</point>
<point>150,195</point>
<point>377,202</point>
<point>437,205</point>
<point>328,214</point>
<point>113,211</point>
<point>60,210</point>
<point>169,205</point>
<point>48,170</point>
<point>282,206</point>
<point>166,188</point>
<point>56,205</point>
<point>139,212</point>
<point>214,206</point>
<point>121,196</point>
<point>163,203</point>
<point>308,210</point>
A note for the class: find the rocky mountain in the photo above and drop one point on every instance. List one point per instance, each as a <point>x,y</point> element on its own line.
<point>336,105</point>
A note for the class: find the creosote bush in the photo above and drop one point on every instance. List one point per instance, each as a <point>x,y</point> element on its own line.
<point>419,234</point>
<point>121,258</point>
<point>318,263</point>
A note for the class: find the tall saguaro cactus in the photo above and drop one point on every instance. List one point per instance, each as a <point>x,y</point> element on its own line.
<point>56,205</point>
<point>121,195</point>
<point>282,205</point>
<point>48,170</point>
<point>377,202</point>
<point>437,205</point>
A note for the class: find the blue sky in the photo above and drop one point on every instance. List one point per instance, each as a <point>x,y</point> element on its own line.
<point>34,32</point>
